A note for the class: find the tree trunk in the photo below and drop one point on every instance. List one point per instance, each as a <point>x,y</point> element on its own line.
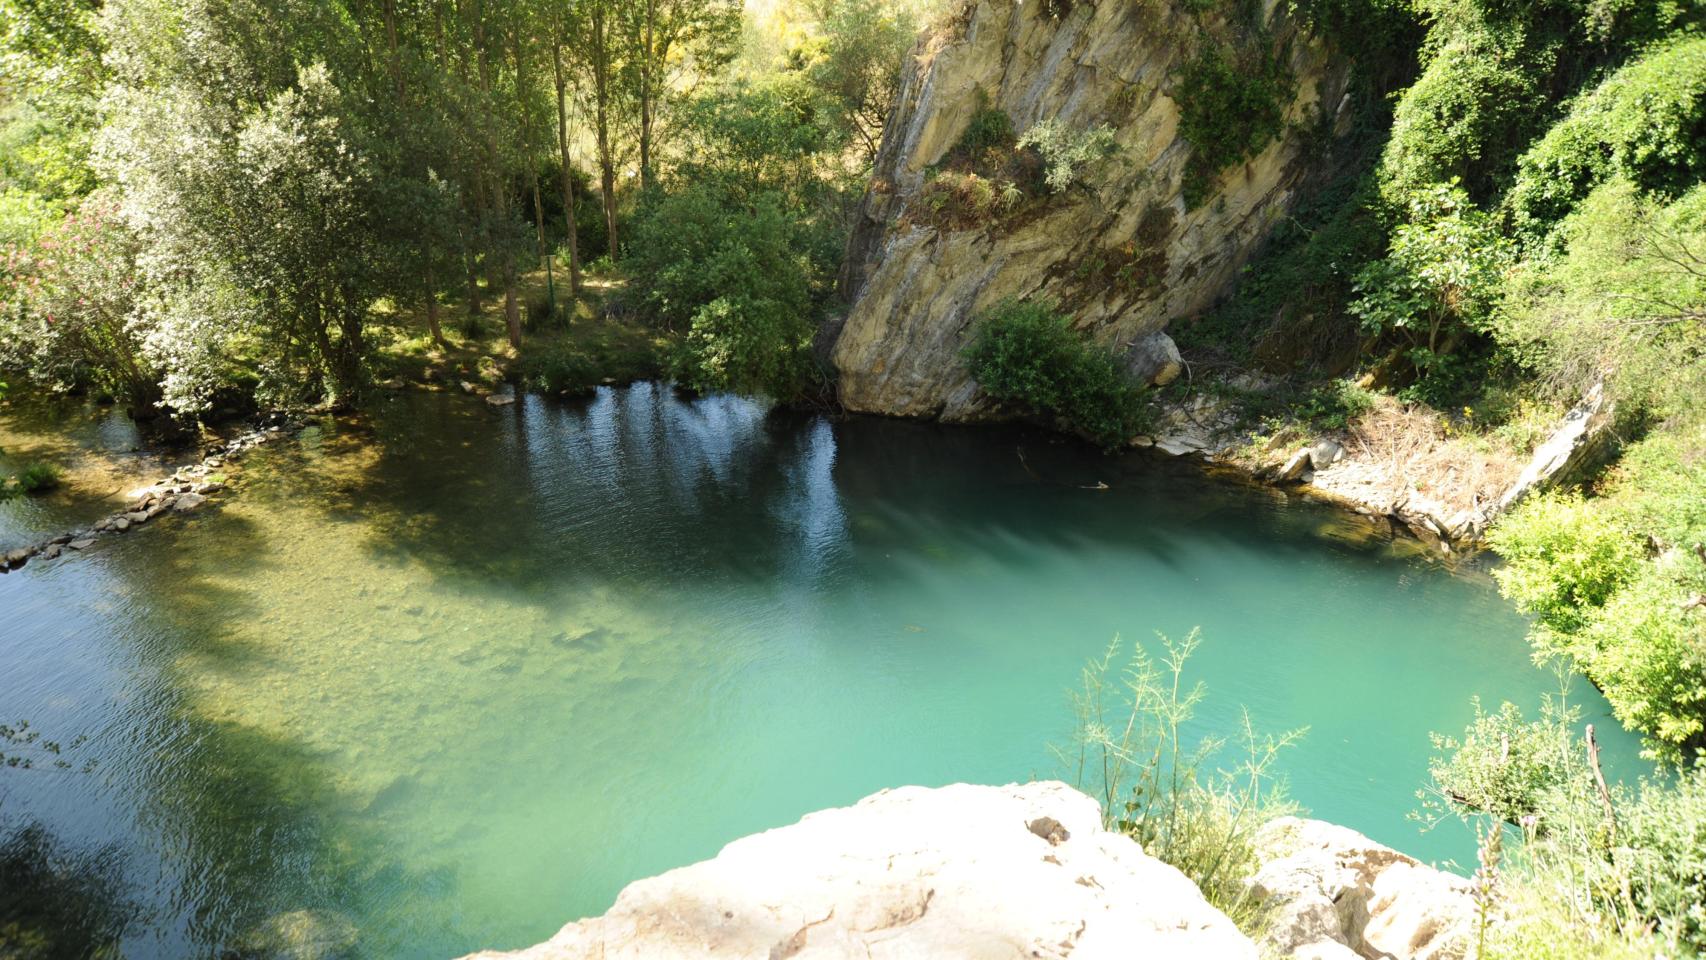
<point>432,318</point>
<point>512,311</point>
<point>599,42</point>
<point>568,173</point>
<point>646,84</point>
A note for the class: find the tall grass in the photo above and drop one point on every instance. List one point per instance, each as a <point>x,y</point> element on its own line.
<point>1131,752</point>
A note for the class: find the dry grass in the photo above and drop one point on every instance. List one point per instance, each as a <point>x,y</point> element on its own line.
<point>1413,448</point>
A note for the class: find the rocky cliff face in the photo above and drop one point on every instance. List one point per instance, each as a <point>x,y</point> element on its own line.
<point>1123,251</point>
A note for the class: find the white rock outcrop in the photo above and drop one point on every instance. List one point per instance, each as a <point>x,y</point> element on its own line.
<point>1337,895</point>
<point>1022,871</point>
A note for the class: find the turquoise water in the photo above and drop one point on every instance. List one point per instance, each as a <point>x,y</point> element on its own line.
<point>455,675</point>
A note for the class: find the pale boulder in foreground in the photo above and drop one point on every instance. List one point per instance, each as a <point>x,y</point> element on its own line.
<point>1025,870</point>
<point>1337,895</point>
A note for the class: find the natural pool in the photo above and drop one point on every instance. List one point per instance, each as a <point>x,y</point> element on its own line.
<point>457,674</point>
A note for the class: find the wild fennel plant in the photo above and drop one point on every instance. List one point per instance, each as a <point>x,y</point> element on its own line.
<point>1130,752</point>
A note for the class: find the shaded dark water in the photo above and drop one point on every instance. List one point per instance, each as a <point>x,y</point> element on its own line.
<point>451,678</point>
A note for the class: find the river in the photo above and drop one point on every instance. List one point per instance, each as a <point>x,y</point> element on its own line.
<point>454,675</point>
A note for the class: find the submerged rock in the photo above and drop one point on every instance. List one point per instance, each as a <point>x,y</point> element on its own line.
<point>1025,870</point>
<point>1338,894</point>
<point>302,935</point>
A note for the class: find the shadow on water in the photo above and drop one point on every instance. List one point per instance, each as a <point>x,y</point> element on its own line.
<point>244,838</point>
<point>61,903</point>
<point>639,487</point>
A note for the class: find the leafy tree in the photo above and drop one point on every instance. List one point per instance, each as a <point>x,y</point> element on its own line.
<point>1438,281</point>
<point>857,61</point>
<point>68,308</point>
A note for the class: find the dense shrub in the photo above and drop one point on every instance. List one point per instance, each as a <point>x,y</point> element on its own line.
<point>1618,302</point>
<point>736,277</point>
<point>37,478</point>
<point>1435,288</point>
<point>1645,123</point>
<point>1027,354</point>
<point>1333,405</point>
<point>1613,873</point>
<point>1611,582</point>
<point>1068,155</point>
<point>69,313</point>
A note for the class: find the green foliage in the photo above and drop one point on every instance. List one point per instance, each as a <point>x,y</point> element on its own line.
<point>1129,751</point>
<point>37,478</point>
<point>857,62</point>
<point>1334,405</point>
<point>747,346</point>
<point>990,128</point>
<point>69,310</point>
<point>1646,123</point>
<point>738,278</point>
<point>1602,599</point>
<point>1623,301</point>
<point>575,363</point>
<point>1027,354</point>
<point>1069,156</point>
<point>1563,561</point>
<point>1505,767</point>
<point>1436,285</point>
<point>1230,107</point>
<point>1613,873</point>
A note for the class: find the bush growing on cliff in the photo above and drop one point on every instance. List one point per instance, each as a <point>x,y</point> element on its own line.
<point>1027,354</point>
<point>1068,155</point>
<point>1616,584</point>
<point>1128,752</point>
<point>1230,106</point>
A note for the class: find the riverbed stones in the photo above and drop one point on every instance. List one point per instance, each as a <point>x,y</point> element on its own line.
<point>957,871</point>
<point>188,501</point>
<point>1337,894</point>
<point>302,935</point>
<point>120,524</point>
<point>82,544</point>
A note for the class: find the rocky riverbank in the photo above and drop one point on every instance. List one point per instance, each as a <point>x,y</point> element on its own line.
<point>184,490</point>
<point>1391,466</point>
<point>1025,870</point>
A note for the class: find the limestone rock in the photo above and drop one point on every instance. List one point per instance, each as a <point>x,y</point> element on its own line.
<point>1577,442</point>
<point>1122,251</point>
<point>188,501</point>
<point>1324,453</point>
<point>500,399</point>
<point>962,871</point>
<point>1154,360</point>
<point>83,544</point>
<point>1294,468</point>
<point>1338,894</point>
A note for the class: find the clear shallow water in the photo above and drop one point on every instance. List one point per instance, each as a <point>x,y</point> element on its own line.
<point>459,674</point>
